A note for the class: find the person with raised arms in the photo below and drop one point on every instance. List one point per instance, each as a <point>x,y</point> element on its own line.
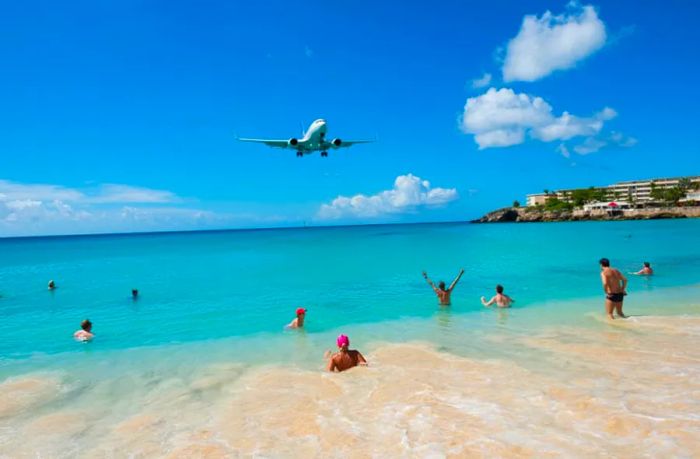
<point>443,294</point>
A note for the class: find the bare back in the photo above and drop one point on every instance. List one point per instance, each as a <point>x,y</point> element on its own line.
<point>613,280</point>
<point>503,301</point>
<point>443,296</point>
<point>344,360</point>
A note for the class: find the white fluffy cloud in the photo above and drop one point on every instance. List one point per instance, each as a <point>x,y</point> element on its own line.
<point>593,144</point>
<point>544,45</point>
<point>482,82</point>
<point>409,193</point>
<point>501,118</point>
<point>107,193</point>
<point>568,126</point>
<point>32,209</point>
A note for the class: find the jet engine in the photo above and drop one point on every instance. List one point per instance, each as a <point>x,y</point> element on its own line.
<point>293,142</point>
<point>337,142</point>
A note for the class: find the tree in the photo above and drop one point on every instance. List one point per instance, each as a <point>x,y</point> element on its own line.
<point>599,194</point>
<point>656,193</point>
<point>516,203</point>
<point>557,205</point>
<point>685,184</point>
<point>546,191</point>
<point>675,194</point>
<point>668,195</point>
<point>581,196</point>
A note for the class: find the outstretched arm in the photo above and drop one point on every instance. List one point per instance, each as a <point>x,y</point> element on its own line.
<point>489,302</point>
<point>454,282</point>
<point>425,276</point>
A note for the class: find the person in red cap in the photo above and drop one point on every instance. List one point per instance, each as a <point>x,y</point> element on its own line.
<point>345,358</point>
<point>299,321</point>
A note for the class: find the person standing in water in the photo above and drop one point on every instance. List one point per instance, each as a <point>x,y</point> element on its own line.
<point>345,358</point>
<point>442,293</point>
<point>614,286</point>
<point>299,321</point>
<point>501,300</point>
<point>646,270</point>
<point>52,285</point>
<point>85,332</point>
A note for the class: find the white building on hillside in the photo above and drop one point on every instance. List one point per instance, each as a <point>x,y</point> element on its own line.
<point>640,190</point>
<point>535,199</point>
<point>634,192</point>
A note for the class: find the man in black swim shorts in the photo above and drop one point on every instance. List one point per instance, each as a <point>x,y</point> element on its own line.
<point>614,286</point>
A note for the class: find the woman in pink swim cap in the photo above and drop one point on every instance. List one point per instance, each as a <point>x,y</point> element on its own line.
<point>345,358</point>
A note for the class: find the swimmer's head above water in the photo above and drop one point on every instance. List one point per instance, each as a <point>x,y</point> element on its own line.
<point>134,292</point>
<point>52,285</point>
<point>301,312</point>
<point>343,342</point>
<point>85,332</point>
<point>499,288</point>
<point>441,285</point>
<point>604,262</point>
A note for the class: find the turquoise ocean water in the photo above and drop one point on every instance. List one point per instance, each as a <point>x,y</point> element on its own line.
<point>201,366</point>
<point>245,285</point>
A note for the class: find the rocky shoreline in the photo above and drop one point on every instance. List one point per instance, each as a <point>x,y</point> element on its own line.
<point>532,215</point>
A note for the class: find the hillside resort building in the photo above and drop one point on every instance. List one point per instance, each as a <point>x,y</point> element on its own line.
<point>635,193</point>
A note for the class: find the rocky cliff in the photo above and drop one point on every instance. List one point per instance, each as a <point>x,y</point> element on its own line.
<point>528,214</point>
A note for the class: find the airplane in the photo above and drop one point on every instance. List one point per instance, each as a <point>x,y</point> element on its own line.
<point>314,139</point>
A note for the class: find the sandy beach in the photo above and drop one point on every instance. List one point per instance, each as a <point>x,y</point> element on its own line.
<point>624,390</point>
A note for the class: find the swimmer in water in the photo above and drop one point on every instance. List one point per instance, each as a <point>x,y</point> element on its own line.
<point>614,286</point>
<point>345,358</point>
<point>645,271</point>
<point>134,293</point>
<point>501,300</point>
<point>299,321</point>
<point>85,332</point>
<point>442,293</point>
<point>52,285</point>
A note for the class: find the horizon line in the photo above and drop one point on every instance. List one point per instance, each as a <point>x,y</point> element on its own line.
<point>226,230</point>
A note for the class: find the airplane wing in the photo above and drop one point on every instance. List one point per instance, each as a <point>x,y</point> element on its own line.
<point>268,142</point>
<point>337,143</point>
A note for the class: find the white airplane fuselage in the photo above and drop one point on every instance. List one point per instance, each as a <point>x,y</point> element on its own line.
<point>315,138</point>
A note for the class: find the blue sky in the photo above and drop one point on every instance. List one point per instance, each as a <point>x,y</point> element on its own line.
<point>121,116</point>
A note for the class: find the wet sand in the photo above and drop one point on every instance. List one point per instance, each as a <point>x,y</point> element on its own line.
<point>628,389</point>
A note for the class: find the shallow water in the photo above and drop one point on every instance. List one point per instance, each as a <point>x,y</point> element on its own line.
<point>626,389</point>
<point>207,371</point>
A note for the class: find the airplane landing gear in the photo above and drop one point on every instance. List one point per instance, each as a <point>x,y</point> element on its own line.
<point>324,154</point>
<point>299,154</point>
